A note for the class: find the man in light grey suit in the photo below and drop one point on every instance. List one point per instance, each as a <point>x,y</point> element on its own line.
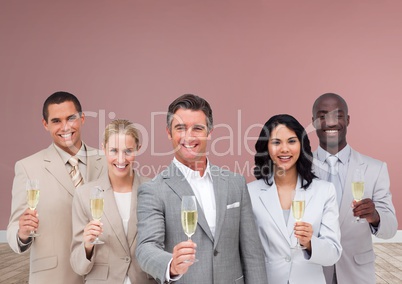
<point>356,265</point>
<point>226,241</point>
<point>50,251</point>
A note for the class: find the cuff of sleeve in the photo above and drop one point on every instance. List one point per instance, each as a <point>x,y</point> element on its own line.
<point>21,244</point>
<point>167,275</point>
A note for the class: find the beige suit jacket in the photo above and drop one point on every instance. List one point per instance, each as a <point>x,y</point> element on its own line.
<point>113,260</point>
<point>50,252</point>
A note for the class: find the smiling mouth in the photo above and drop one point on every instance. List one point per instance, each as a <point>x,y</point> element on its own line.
<point>331,131</point>
<point>66,136</point>
<point>284,158</point>
<point>188,146</point>
<point>121,166</point>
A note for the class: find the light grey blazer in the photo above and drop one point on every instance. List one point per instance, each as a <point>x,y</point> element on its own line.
<point>356,264</point>
<point>113,260</point>
<point>233,256</point>
<point>50,252</point>
<point>321,211</point>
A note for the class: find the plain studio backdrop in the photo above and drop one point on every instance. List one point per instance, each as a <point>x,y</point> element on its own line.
<point>249,59</point>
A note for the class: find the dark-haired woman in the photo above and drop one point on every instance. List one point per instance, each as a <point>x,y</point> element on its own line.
<point>283,168</point>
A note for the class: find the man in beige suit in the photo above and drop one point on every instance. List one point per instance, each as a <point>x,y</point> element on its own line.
<point>50,251</point>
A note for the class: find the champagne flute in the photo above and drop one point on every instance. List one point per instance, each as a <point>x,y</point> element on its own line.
<point>298,205</point>
<point>189,217</point>
<point>358,188</point>
<point>32,187</point>
<point>97,203</point>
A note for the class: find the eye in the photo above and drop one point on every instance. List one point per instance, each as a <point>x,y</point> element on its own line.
<point>180,128</point>
<point>128,152</point>
<point>293,141</point>
<point>113,150</point>
<point>275,142</point>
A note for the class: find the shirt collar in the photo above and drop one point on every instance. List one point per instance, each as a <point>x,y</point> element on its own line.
<point>191,174</point>
<point>81,154</point>
<point>343,155</point>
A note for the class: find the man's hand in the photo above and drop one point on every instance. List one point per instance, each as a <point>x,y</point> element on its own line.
<point>28,222</point>
<point>366,209</point>
<point>183,258</point>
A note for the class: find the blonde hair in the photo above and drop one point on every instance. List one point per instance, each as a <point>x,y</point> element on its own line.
<point>123,126</point>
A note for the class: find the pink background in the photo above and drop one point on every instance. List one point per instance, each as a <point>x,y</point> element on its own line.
<point>249,59</point>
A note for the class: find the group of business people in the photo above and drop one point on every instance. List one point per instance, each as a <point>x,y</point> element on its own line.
<point>245,233</point>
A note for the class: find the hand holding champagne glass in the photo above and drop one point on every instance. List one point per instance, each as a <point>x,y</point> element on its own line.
<point>32,188</point>
<point>298,205</point>
<point>97,203</point>
<point>189,216</point>
<point>358,188</point>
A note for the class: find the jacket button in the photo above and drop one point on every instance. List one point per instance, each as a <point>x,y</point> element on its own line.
<point>215,252</point>
<point>127,259</point>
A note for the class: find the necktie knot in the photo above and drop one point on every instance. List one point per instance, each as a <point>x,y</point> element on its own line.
<point>73,161</point>
<point>333,162</point>
<point>75,173</point>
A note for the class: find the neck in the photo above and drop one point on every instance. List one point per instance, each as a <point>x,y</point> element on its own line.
<point>122,184</point>
<point>199,165</point>
<point>285,179</point>
<point>333,150</point>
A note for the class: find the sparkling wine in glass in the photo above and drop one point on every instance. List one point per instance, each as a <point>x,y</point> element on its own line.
<point>32,188</point>
<point>298,205</point>
<point>189,216</point>
<point>358,188</point>
<point>97,203</point>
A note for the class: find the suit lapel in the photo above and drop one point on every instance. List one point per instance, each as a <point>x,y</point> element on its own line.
<point>56,167</point>
<point>270,199</point>
<point>178,183</point>
<point>111,213</point>
<point>94,164</point>
<point>221,189</point>
<point>132,224</point>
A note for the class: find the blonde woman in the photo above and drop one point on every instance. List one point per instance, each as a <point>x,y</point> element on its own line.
<point>114,261</point>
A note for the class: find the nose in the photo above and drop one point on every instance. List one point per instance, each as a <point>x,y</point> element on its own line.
<point>122,157</point>
<point>331,119</point>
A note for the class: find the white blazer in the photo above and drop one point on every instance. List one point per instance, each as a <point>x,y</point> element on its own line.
<point>283,264</point>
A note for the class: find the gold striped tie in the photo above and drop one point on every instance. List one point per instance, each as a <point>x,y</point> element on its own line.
<point>75,173</point>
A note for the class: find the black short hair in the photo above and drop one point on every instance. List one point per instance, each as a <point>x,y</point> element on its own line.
<point>58,98</point>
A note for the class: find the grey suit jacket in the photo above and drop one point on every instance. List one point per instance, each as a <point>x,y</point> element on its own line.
<point>356,264</point>
<point>50,252</point>
<point>235,254</point>
<point>113,260</point>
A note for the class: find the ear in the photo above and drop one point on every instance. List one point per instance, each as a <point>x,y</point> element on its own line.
<point>168,133</point>
<point>313,122</point>
<point>209,134</point>
<point>348,120</point>
<point>45,124</point>
<point>82,118</point>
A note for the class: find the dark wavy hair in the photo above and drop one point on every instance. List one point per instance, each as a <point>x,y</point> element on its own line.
<point>263,163</point>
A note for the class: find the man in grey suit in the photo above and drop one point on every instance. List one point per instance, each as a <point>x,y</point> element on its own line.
<point>226,241</point>
<point>50,251</point>
<point>377,213</point>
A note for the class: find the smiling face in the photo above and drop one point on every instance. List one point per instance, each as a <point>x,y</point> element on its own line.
<point>284,148</point>
<point>120,154</point>
<point>64,125</point>
<point>331,119</point>
<point>189,135</point>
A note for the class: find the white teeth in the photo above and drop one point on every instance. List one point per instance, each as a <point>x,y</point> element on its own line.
<point>121,167</point>
<point>66,135</point>
<point>284,157</point>
<point>331,131</point>
<point>189,146</point>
